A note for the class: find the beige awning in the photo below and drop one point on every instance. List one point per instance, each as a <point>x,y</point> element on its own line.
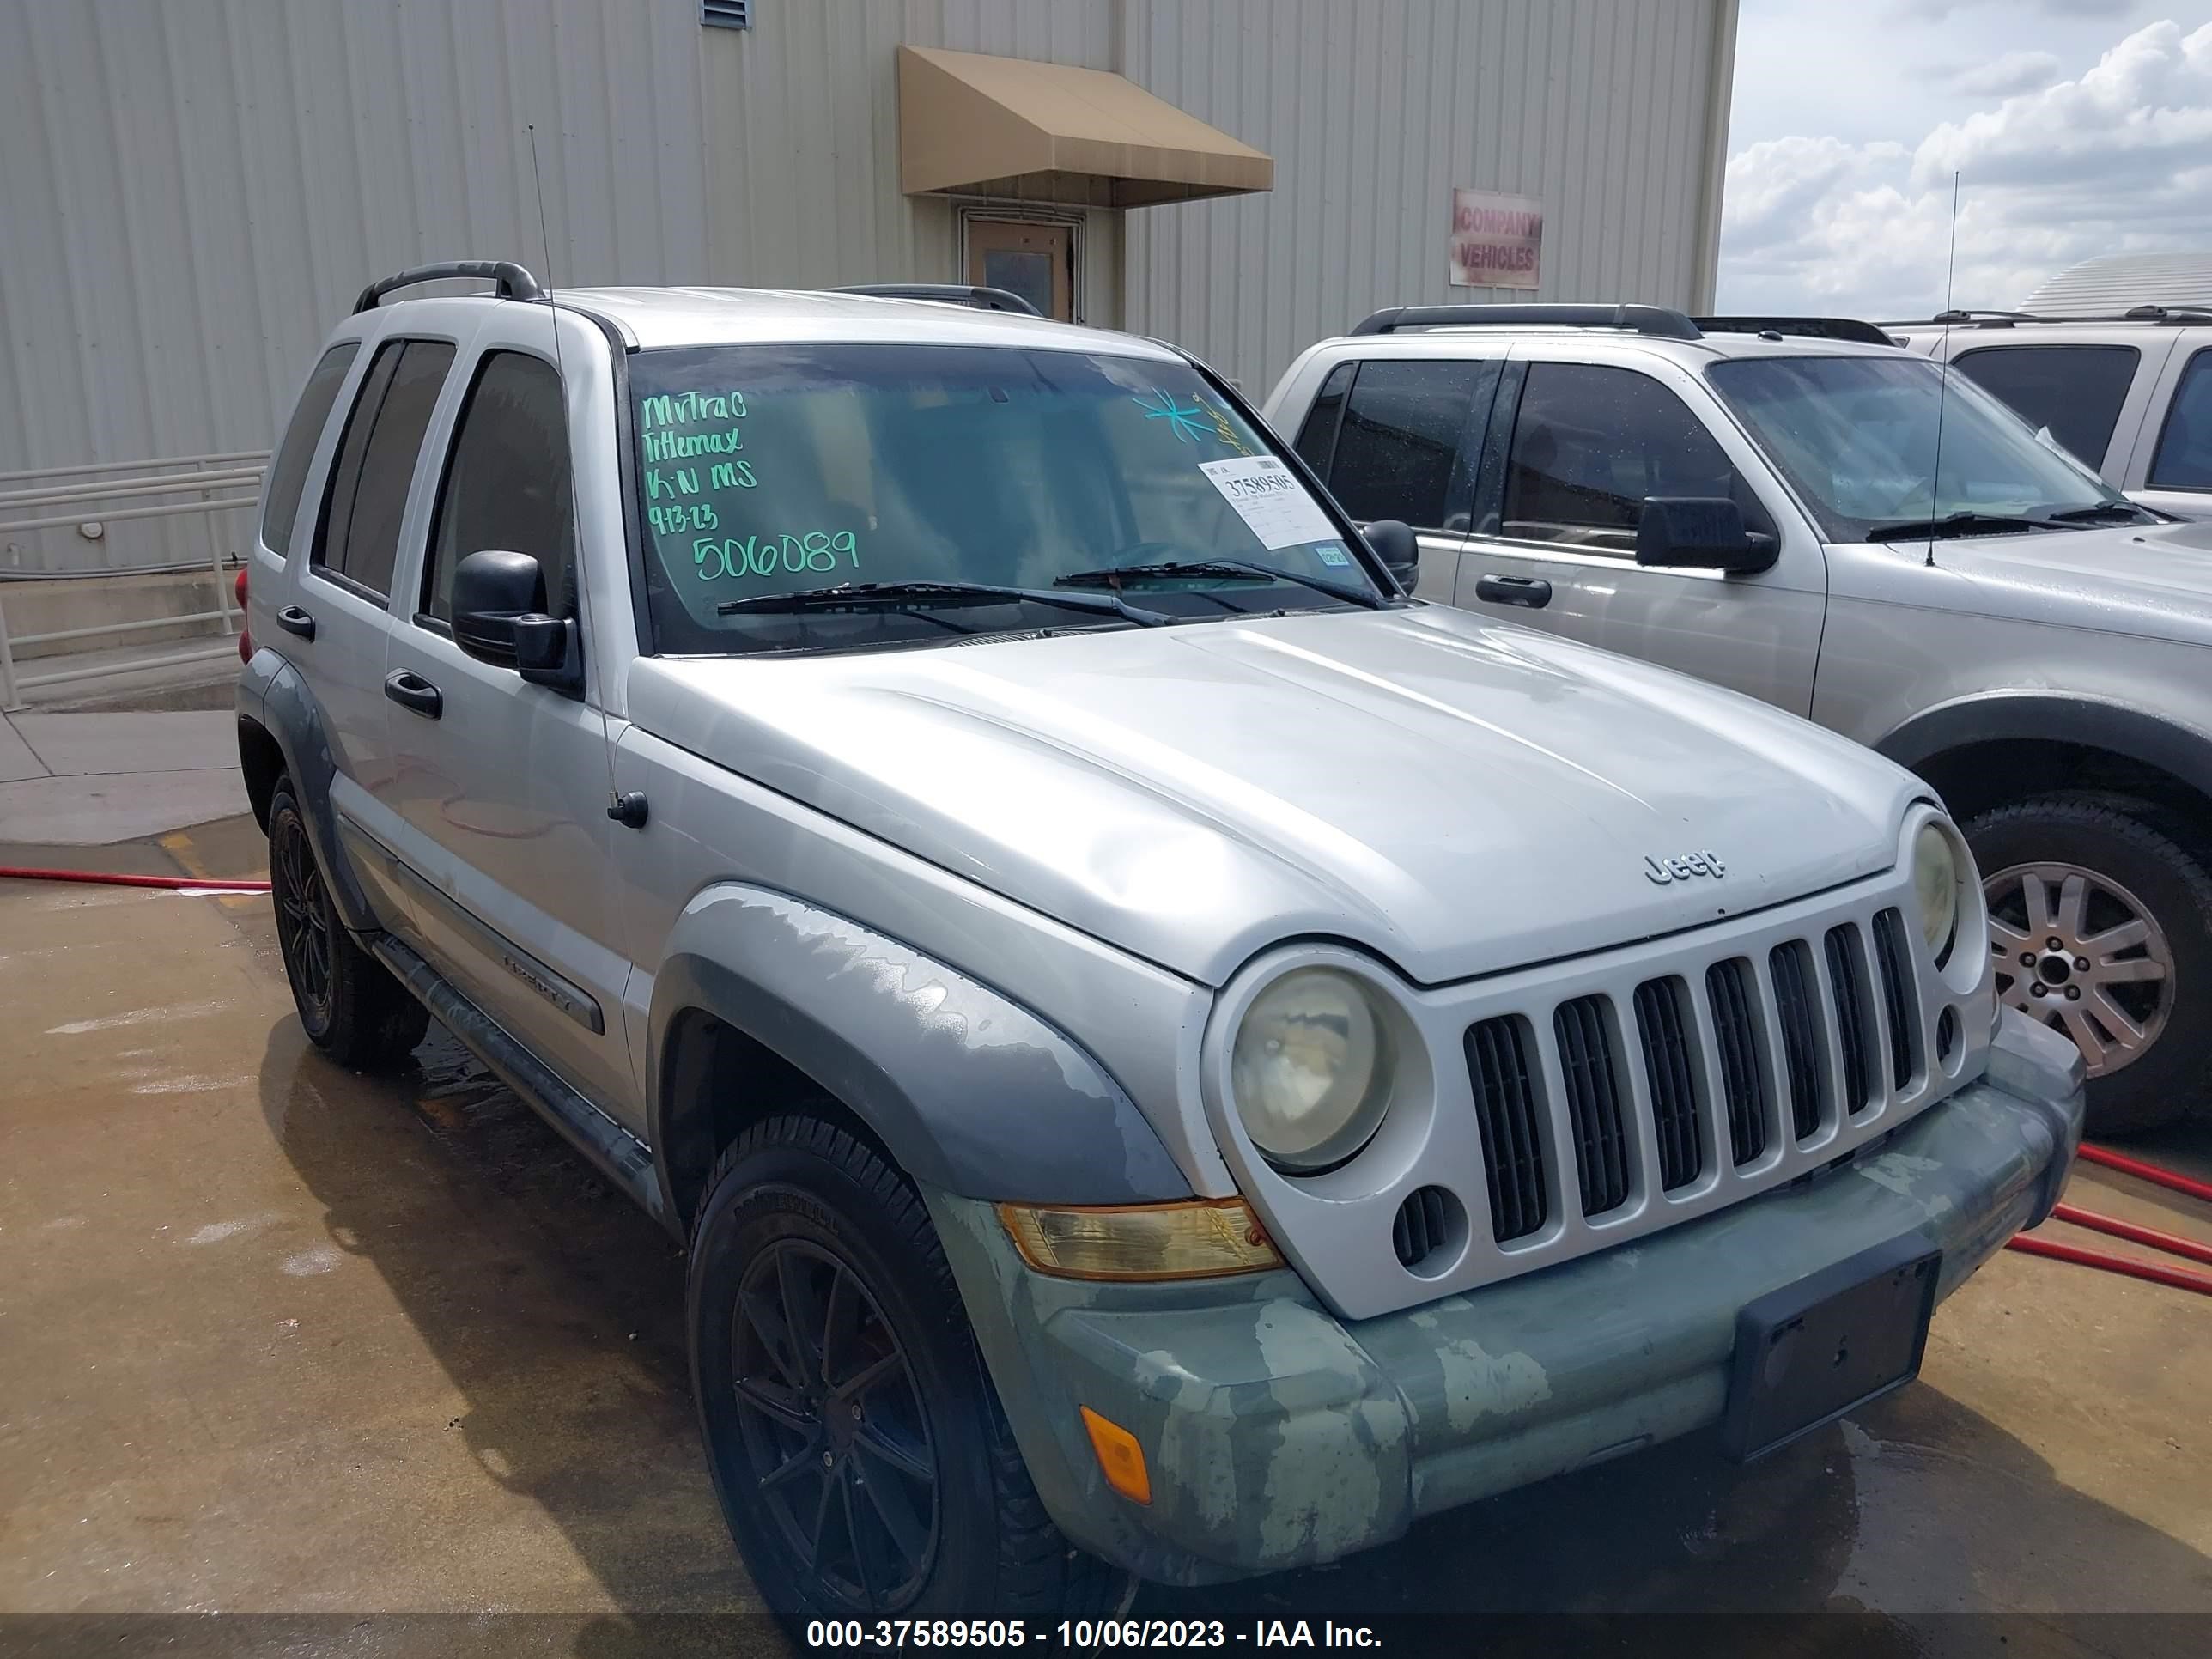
<point>1007,126</point>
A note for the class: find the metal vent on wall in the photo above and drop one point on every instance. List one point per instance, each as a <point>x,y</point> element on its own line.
<point>727,13</point>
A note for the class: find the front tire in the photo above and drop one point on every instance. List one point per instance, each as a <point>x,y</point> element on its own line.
<point>862,1462</point>
<point>352,1008</point>
<point>2100,922</point>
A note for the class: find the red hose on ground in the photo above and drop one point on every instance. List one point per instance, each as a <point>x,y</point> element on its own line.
<point>2143,1171</point>
<point>2150,1238</point>
<point>196,883</point>
<point>2179,1278</point>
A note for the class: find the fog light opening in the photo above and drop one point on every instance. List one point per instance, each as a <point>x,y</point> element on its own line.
<point>1947,1039</point>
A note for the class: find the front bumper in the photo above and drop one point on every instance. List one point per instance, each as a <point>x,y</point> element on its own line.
<point>1278,1436</point>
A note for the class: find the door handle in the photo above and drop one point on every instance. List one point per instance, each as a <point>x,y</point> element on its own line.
<point>410,691</point>
<point>1532,592</point>
<point>292,620</point>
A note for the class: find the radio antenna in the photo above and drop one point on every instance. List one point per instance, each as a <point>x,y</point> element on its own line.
<point>1943,384</point>
<point>576,553</point>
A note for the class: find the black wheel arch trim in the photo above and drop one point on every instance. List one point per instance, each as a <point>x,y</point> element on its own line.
<point>2119,728</point>
<point>968,1090</point>
<point>274,697</point>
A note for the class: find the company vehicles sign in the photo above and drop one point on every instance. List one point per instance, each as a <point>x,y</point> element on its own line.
<point>1496,241</point>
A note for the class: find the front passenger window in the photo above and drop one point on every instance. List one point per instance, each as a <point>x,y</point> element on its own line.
<point>506,482</point>
<point>1590,443</point>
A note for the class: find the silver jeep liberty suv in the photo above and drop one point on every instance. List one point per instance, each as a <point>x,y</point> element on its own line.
<point>1169,1057</point>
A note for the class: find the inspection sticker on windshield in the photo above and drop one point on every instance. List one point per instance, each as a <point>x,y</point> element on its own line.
<point>1270,500</point>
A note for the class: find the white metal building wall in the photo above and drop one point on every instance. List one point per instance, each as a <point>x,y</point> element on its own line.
<point>1613,113</point>
<point>193,191</point>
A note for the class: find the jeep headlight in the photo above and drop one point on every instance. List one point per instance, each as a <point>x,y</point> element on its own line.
<point>1936,886</point>
<point>1310,1069</point>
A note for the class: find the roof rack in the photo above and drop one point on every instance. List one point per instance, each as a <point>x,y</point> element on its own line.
<point>2176,315</point>
<point>951,293</point>
<point>1803,328</point>
<point>1656,320</point>
<point>509,280</point>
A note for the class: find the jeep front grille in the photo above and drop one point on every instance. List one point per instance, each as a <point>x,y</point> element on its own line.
<point>1662,1017</point>
<point>1505,1107</point>
<point>1593,1102</point>
<point>1739,1056</point>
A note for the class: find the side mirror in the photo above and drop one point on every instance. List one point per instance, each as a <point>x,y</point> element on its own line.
<point>1699,532</point>
<point>499,617</point>
<point>1394,544</point>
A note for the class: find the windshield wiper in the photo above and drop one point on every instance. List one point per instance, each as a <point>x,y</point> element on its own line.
<point>891,596</point>
<point>1956,524</point>
<point>1232,569</point>
<point>2127,511</point>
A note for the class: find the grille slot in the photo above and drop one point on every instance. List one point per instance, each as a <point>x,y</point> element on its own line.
<point>1427,1223</point>
<point>1505,1109</point>
<point>1893,952</point>
<point>1743,1080</point>
<point>1796,1000</point>
<point>1593,1082</point>
<point>1854,1016</point>
<point>1662,1025</point>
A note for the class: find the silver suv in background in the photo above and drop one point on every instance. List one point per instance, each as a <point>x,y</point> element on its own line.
<point>2130,394</point>
<point>1166,1056</point>
<point>1756,502</point>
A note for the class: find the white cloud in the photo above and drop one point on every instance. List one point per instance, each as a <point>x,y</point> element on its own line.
<point>2117,160</point>
<point>2015,71</point>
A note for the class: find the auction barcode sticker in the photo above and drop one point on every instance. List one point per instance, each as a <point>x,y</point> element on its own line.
<point>1269,498</point>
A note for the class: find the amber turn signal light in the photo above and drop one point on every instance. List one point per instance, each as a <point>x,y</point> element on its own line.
<point>1197,1239</point>
<point>1121,1459</point>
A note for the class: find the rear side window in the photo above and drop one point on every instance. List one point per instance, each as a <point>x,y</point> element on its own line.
<point>1316,444</point>
<point>506,481</point>
<point>287,474</point>
<point>2184,460</point>
<point>360,538</point>
<point>1590,443</point>
<point>2074,390</point>
<point>1398,452</point>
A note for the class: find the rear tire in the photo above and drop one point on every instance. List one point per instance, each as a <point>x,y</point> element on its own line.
<point>351,1006</point>
<point>2100,925</point>
<point>871,1472</point>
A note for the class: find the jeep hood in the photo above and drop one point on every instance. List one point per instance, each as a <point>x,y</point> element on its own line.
<point>1455,795</point>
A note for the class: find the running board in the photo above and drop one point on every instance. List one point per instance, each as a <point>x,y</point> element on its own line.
<point>625,1160</point>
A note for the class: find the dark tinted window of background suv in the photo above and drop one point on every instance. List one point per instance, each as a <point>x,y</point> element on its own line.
<point>1396,450</point>
<point>1590,443</point>
<point>1316,444</point>
<point>506,482</point>
<point>2076,390</point>
<point>2184,460</point>
<point>287,475</point>
<point>376,461</point>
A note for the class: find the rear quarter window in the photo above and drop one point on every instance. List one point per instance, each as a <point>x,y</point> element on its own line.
<point>287,473</point>
<point>2074,390</point>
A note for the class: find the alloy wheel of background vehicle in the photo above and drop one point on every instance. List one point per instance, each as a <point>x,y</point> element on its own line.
<point>859,1451</point>
<point>2099,922</point>
<point>349,1003</point>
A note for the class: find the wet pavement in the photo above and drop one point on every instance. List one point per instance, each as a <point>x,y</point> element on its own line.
<point>277,1338</point>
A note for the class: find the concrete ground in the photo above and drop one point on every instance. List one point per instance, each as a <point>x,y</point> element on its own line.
<point>277,1338</point>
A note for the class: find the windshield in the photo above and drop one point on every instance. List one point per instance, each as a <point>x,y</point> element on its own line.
<point>769,471</point>
<point>1856,437</point>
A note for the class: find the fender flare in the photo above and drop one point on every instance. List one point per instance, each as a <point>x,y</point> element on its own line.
<point>971,1091</point>
<point>272,694</point>
<point>2118,728</point>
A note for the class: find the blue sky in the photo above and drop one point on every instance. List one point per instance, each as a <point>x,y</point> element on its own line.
<point>2077,127</point>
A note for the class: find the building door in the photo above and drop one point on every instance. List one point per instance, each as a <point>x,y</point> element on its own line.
<point>1036,261</point>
